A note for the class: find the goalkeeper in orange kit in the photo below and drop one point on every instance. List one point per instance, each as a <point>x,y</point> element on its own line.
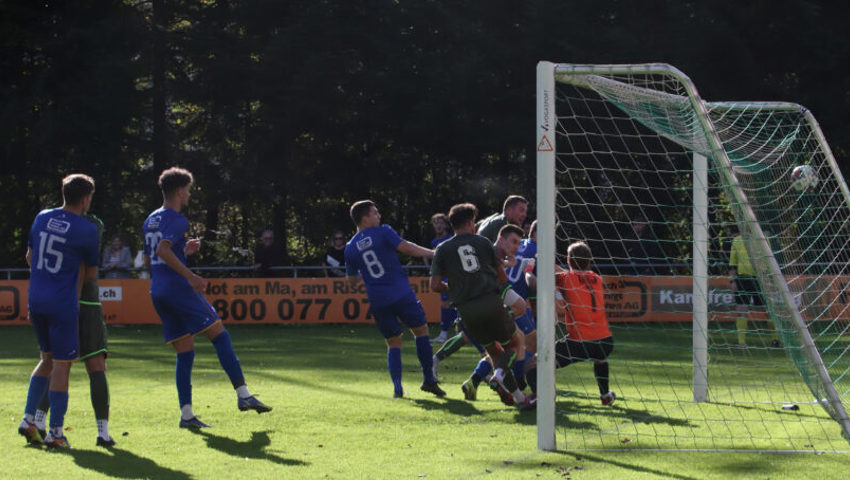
<point>588,336</point>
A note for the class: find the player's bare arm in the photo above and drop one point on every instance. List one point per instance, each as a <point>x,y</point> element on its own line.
<point>29,257</point>
<point>163,251</point>
<point>414,250</point>
<point>192,246</point>
<point>438,285</point>
<point>560,306</point>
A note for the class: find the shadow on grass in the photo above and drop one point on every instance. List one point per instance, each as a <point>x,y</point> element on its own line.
<point>627,466</point>
<point>565,407</point>
<point>118,463</point>
<point>457,407</point>
<point>253,448</point>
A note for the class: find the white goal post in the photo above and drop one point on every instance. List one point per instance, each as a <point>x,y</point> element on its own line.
<point>720,137</point>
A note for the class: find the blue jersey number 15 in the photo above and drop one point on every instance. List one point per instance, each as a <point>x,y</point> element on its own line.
<point>45,248</point>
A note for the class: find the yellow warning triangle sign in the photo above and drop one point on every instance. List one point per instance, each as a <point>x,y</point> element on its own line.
<point>544,145</point>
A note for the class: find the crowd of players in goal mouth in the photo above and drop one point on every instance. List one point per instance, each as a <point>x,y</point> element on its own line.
<point>485,273</point>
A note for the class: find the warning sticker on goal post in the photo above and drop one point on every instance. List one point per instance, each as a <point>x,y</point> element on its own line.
<point>544,145</point>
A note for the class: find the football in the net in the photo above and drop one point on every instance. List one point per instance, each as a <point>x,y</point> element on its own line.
<point>804,178</point>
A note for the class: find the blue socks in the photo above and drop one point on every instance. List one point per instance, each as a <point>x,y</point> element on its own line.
<point>227,357</point>
<point>58,407</point>
<point>447,318</point>
<point>394,365</point>
<point>426,358</point>
<point>483,368</point>
<point>38,386</point>
<point>184,377</point>
<point>519,369</point>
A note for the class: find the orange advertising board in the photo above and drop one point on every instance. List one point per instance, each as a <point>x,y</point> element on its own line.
<point>237,300</point>
<point>329,300</point>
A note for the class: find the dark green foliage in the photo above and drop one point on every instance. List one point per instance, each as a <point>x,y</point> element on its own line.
<point>287,112</point>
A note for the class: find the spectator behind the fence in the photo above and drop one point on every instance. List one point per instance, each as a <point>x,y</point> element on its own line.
<point>139,264</point>
<point>117,259</point>
<point>267,255</point>
<point>644,251</point>
<point>335,256</point>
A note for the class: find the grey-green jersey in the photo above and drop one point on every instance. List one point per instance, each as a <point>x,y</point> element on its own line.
<point>91,290</point>
<point>470,266</point>
<point>490,226</point>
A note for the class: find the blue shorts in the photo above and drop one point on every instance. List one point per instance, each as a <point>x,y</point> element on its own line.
<point>184,315</point>
<point>57,330</point>
<point>526,322</point>
<point>407,310</point>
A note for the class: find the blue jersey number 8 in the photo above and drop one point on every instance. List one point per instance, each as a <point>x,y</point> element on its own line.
<point>376,270</point>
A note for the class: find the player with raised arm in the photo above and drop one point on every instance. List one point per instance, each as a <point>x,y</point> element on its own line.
<point>475,275</point>
<point>92,329</point>
<point>177,298</point>
<point>371,255</point>
<point>61,244</point>
<point>588,334</point>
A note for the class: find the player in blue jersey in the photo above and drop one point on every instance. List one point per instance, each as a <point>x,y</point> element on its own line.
<point>440,222</point>
<point>177,298</point>
<point>93,350</point>
<point>371,255</point>
<point>61,244</point>
<point>525,258</point>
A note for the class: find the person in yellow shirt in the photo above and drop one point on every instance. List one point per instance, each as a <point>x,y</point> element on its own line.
<point>746,288</point>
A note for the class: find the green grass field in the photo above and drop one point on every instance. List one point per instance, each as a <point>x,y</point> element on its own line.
<point>335,417</point>
<point>651,369</point>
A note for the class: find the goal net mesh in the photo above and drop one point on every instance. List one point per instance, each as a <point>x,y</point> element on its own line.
<point>624,185</point>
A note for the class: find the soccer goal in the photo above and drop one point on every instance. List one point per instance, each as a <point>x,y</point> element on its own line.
<point>659,183</point>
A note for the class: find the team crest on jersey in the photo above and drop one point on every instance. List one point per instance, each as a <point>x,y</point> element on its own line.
<point>154,221</point>
<point>58,226</point>
<point>364,243</point>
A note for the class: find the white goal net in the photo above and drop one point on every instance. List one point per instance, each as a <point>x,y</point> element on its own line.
<point>659,184</point>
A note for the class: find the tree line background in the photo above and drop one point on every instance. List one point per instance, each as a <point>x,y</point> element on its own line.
<point>288,111</point>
